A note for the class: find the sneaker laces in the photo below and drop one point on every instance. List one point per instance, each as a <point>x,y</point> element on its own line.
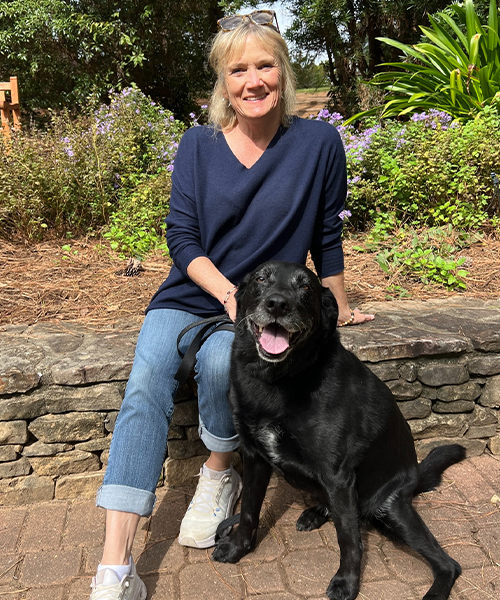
<point>208,493</point>
<point>110,588</point>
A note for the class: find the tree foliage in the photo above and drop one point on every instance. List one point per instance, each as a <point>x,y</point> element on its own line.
<point>64,50</point>
<point>455,69</point>
<point>348,32</point>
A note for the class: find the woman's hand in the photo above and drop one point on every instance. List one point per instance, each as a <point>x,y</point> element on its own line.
<point>204,273</point>
<point>230,304</point>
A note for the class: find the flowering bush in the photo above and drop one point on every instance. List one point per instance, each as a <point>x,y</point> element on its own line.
<point>429,171</point>
<point>424,183</point>
<point>92,171</point>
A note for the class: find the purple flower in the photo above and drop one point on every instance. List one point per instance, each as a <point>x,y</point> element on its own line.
<point>345,214</point>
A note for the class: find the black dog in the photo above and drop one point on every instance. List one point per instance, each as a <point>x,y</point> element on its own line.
<point>306,406</point>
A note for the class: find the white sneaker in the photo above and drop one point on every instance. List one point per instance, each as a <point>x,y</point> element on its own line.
<point>213,502</point>
<point>106,586</point>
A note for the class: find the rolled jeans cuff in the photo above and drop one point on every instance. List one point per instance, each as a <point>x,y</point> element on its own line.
<point>217,444</point>
<point>126,499</point>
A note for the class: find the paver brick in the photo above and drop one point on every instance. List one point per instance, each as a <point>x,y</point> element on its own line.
<point>44,526</point>
<point>468,553</point>
<point>286,564</point>
<point>269,546</point>
<point>309,573</point>
<point>166,556</point>
<point>406,564</point>
<point>79,589</point>
<point>300,540</point>
<point>490,538</point>
<point>11,523</point>
<point>8,567</point>
<point>263,578</point>
<point>50,568</point>
<point>472,483</point>
<point>49,593</point>
<point>85,525</point>
<point>387,590</point>
<point>477,584</point>
<point>211,581</point>
<point>161,586</point>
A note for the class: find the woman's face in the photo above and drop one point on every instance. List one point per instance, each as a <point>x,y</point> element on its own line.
<point>253,82</point>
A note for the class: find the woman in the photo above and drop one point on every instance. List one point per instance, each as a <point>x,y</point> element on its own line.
<point>258,184</point>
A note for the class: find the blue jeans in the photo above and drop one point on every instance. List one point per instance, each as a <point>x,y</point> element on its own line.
<point>139,440</point>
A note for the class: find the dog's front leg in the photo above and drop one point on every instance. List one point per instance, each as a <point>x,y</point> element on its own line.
<point>256,474</point>
<point>344,513</point>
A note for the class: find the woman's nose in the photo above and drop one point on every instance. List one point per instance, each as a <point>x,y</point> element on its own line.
<point>253,77</point>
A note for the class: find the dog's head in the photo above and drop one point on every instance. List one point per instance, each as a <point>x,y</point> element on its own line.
<point>282,306</point>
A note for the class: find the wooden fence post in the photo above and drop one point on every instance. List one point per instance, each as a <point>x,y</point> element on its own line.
<point>9,108</point>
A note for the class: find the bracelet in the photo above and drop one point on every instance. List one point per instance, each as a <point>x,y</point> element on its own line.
<point>228,295</point>
<point>348,322</point>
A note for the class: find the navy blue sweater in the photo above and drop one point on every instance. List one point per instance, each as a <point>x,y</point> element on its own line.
<point>286,204</point>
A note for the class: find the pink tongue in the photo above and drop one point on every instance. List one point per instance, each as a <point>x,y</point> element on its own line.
<point>274,339</point>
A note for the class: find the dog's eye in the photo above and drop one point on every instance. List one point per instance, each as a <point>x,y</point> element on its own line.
<point>305,287</point>
<point>260,279</point>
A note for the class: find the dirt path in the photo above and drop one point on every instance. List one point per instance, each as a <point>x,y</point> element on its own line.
<point>310,103</point>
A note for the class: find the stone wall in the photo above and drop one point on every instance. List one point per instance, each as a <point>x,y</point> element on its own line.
<point>61,386</point>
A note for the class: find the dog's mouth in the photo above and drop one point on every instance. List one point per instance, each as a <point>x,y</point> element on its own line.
<point>273,340</point>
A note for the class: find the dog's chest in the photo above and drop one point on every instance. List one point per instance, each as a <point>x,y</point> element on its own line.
<point>275,442</point>
<point>271,436</point>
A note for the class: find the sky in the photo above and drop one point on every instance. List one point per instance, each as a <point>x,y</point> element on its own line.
<point>282,14</point>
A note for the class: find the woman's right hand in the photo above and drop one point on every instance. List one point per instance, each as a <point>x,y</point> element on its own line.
<point>230,305</point>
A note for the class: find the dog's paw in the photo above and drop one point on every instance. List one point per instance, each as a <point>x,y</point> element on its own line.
<point>312,518</point>
<point>342,588</point>
<point>227,551</point>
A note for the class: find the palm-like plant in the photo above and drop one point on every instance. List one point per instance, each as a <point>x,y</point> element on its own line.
<point>457,71</point>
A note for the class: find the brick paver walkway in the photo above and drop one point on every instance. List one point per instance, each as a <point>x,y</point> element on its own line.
<point>49,551</point>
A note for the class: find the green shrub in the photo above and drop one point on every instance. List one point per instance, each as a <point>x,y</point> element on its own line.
<point>138,225</point>
<point>428,171</point>
<point>81,171</point>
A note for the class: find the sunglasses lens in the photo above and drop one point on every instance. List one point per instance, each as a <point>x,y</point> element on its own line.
<point>229,23</point>
<point>262,18</point>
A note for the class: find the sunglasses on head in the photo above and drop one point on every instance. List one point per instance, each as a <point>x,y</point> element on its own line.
<point>259,17</point>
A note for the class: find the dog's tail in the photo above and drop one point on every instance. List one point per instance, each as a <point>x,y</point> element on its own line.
<point>430,470</point>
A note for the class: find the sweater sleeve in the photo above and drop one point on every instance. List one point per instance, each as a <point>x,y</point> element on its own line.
<point>183,228</point>
<point>326,250</point>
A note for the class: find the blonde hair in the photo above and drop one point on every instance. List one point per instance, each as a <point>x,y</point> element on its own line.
<point>226,45</point>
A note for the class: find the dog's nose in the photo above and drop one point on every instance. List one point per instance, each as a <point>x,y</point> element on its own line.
<point>277,305</point>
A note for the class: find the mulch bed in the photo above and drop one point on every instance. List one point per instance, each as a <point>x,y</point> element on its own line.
<point>43,283</point>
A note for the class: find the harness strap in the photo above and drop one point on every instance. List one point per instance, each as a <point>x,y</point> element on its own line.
<point>217,323</point>
<point>226,525</point>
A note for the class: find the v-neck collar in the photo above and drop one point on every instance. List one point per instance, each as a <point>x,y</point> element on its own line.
<point>281,130</point>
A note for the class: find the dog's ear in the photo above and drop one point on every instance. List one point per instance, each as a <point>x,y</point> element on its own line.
<point>241,288</point>
<point>329,311</point>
